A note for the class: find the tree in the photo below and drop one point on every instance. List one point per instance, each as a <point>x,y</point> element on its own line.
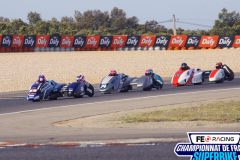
<point>17,26</point>
<point>110,23</point>
<point>132,22</point>
<point>101,19</point>
<point>118,19</point>
<point>152,27</point>
<point>4,20</point>
<point>228,23</point>
<point>33,18</point>
<point>42,27</point>
<point>54,26</point>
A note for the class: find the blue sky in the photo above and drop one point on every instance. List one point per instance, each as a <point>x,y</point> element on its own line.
<point>194,11</point>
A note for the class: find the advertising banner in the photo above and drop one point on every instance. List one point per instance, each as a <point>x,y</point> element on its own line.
<point>29,41</point>
<point>210,146</point>
<point>17,41</point>
<point>162,41</point>
<point>42,41</point>
<point>67,41</point>
<point>178,41</point>
<point>6,41</point>
<point>119,41</point>
<point>225,42</point>
<point>208,42</point>
<point>132,41</point>
<point>92,42</point>
<point>0,39</point>
<point>105,41</point>
<point>192,41</point>
<point>79,41</point>
<point>236,42</point>
<point>147,41</point>
<point>54,41</point>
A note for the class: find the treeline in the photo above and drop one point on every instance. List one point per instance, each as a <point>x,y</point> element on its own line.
<point>96,22</point>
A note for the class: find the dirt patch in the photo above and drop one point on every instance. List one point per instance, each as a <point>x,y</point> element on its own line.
<point>19,70</point>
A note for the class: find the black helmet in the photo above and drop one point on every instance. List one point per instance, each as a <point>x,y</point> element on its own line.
<point>219,65</point>
<point>184,66</point>
<point>41,78</point>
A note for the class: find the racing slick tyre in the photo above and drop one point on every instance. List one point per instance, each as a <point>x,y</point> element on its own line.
<point>147,89</point>
<point>220,81</point>
<point>77,96</point>
<point>53,96</point>
<point>90,93</point>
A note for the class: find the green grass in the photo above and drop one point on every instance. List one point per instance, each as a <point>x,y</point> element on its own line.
<point>227,112</point>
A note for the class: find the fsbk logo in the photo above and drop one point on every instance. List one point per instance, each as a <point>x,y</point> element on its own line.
<point>92,42</point>
<point>66,41</point>
<point>147,41</point>
<point>208,41</point>
<point>17,41</point>
<point>236,42</point>
<point>42,41</point>
<point>178,41</point>
<point>119,41</point>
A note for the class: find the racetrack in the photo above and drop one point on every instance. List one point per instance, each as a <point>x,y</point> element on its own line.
<point>16,102</point>
<point>33,121</point>
<point>28,131</point>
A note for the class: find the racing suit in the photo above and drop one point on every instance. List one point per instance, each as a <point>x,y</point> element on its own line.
<point>155,79</point>
<point>87,86</point>
<point>228,72</point>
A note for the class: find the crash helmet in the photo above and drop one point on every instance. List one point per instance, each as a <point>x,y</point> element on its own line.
<point>113,72</point>
<point>219,65</point>
<point>41,78</point>
<point>80,78</point>
<point>184,66</point>
<point>149,72</point>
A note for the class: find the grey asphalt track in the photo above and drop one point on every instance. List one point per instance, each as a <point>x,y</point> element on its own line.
<point>19,124</point>
<point>14,102</point>
<point>158,151</point>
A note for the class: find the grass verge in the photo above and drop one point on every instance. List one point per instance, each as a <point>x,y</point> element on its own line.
<point>227,112</point>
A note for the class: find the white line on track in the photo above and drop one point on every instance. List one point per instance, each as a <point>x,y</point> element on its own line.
<point>119,100</point>
<point>17,97</point>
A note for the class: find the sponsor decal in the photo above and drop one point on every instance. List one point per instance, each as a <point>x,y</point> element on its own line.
<point>178,41</point>
<point>147,41</point>
<point>0,39</point>
<point>162,41</point>
<point>42,41</point>
<point>225,42</point>
<point>208,41</point>
<point>210,146</point>
<point>17,41</point>
<point>54,41</point>
<point>6,41</point>
<point>79,41</point>
<point>132,41</point>
<point>92,42</point>
<point>29,41</point>
<point>105,41</point>
<point>236,42</point>
<point>193,41</point>
<point>67,41</point>
<point>119,41</point>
